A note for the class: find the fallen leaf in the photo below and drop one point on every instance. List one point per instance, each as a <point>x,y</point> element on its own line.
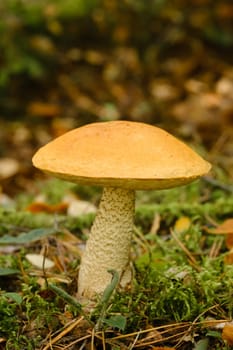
<point>43,109</point>
<point>39,207</point>
<point>8,167</point>
<point>163,90</point>
<point>94,57</point>
<point>227,334</point>
<point>229,258</point>
<point>42,44</point>
<point>224,86</point>
<point>229,241</point>
<point>40,261</point>
<point>182,224</point>
<point>224,228</point>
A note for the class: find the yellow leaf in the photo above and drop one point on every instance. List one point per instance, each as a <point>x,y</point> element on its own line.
<point>182,224</point>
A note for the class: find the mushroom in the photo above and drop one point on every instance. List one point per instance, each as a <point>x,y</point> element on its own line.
<point>121,156</point>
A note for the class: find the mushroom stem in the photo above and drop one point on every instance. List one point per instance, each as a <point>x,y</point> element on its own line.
<point>109,244</point>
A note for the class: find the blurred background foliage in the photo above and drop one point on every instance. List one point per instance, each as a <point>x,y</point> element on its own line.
<point>42,39</point>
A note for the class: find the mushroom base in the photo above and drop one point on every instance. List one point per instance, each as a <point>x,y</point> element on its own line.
<point>109,244</point>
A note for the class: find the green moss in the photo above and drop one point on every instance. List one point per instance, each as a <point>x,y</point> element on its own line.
<point>14,221</point>
<point>167,287</point>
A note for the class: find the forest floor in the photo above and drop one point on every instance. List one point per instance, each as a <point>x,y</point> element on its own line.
<point>182,248</point>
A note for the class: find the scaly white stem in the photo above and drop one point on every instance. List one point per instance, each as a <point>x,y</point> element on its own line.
<point>109,244</point>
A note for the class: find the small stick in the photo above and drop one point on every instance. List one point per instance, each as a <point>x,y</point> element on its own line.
<point>187,252</point>
<point>216,183</point>
<point>68,329</point>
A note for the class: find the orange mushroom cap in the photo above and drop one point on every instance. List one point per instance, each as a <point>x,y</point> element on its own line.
<point>122,154</point>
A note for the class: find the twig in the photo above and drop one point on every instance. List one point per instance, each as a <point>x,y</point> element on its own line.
<point>93,339</point>
<point>103,340</point>
<point>215,248</point>
<point>68,329</point>
<point>164,328</point>
<point>194,323</point>
<point>216,183</point>
<point>135,341</point>
<point>85,337</point>
<point>186,251</point>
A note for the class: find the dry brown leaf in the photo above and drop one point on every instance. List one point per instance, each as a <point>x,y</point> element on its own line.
<point>225,228</point>
<point>229,241</point>
<point>39,207</point>
<point>94,57</point>
<point>225,11</point>
<point>227,334</point>
<point>121,34</point>
<point>229,258</point>
<point>163,90</point>
<point>43,109</point>
<point>42,44</point>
